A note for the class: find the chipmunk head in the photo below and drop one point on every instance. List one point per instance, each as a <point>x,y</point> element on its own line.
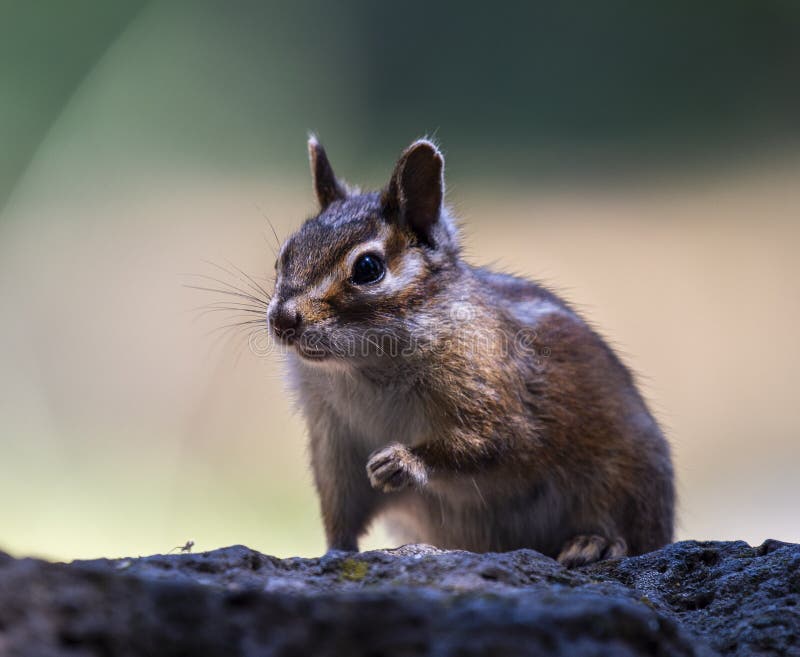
<point>351,277</point>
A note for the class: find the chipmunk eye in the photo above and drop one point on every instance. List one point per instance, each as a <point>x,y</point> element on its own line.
<point>369,268</point>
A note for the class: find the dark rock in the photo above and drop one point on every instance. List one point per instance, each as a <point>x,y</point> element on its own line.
<point>742,600</point>
<point>687,599</point>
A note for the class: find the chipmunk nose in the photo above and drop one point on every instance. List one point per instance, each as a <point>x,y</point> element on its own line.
<point>284,319</point>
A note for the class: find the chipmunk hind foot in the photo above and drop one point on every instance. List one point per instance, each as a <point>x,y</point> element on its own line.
<point>588,548</point>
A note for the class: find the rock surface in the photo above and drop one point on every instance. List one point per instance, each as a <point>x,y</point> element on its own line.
<point>687,599</point>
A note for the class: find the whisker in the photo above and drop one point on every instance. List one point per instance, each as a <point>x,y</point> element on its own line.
<point>246,301</point>
<point>230,334</point>
<point>251,280</point>
<point>256,290</point>
<point>235,325</point>
<point>245,340</point>
<point>269,244</point>
<point>223,282</point>
<point>255,287</point>
<point>257,317</point>
<point>229,292</point>
<point>202,312</point>
<point>229,305</point>
<point>274,232</point>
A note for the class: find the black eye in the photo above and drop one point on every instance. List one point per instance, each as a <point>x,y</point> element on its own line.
<point>369,268</point>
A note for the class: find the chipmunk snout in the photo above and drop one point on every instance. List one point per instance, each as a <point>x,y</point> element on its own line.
<point>285,319</point>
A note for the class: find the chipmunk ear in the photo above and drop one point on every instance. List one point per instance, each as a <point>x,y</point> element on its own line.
<point>327,188</point>
<point>416,189</point>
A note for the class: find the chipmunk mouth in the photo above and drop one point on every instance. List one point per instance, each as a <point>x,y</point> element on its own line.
<point>309,350</point>
<point>311,353</point>
<point>304,343</point>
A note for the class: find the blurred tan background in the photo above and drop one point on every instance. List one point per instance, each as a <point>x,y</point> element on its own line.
<point>643,161</point>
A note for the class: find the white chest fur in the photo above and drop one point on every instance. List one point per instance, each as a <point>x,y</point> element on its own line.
<point>373,414</point>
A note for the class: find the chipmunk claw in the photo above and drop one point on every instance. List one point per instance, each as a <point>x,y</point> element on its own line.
<point>394,468</point>
<point>588,548</point>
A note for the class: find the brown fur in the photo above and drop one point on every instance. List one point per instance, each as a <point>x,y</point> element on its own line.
<point>478,410</point>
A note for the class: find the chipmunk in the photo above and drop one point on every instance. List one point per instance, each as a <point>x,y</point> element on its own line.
<point>476,409</point>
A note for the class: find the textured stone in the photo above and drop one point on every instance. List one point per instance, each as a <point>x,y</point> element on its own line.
<point>687,599</point>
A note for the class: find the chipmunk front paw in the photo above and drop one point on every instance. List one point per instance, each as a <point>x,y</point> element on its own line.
<point>394,468</point>
<point>588,548</point>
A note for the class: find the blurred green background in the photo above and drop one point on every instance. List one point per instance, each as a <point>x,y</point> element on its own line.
<point>643,158</point>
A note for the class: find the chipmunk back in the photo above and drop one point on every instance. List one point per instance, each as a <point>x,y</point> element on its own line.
<point>476,410</point>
